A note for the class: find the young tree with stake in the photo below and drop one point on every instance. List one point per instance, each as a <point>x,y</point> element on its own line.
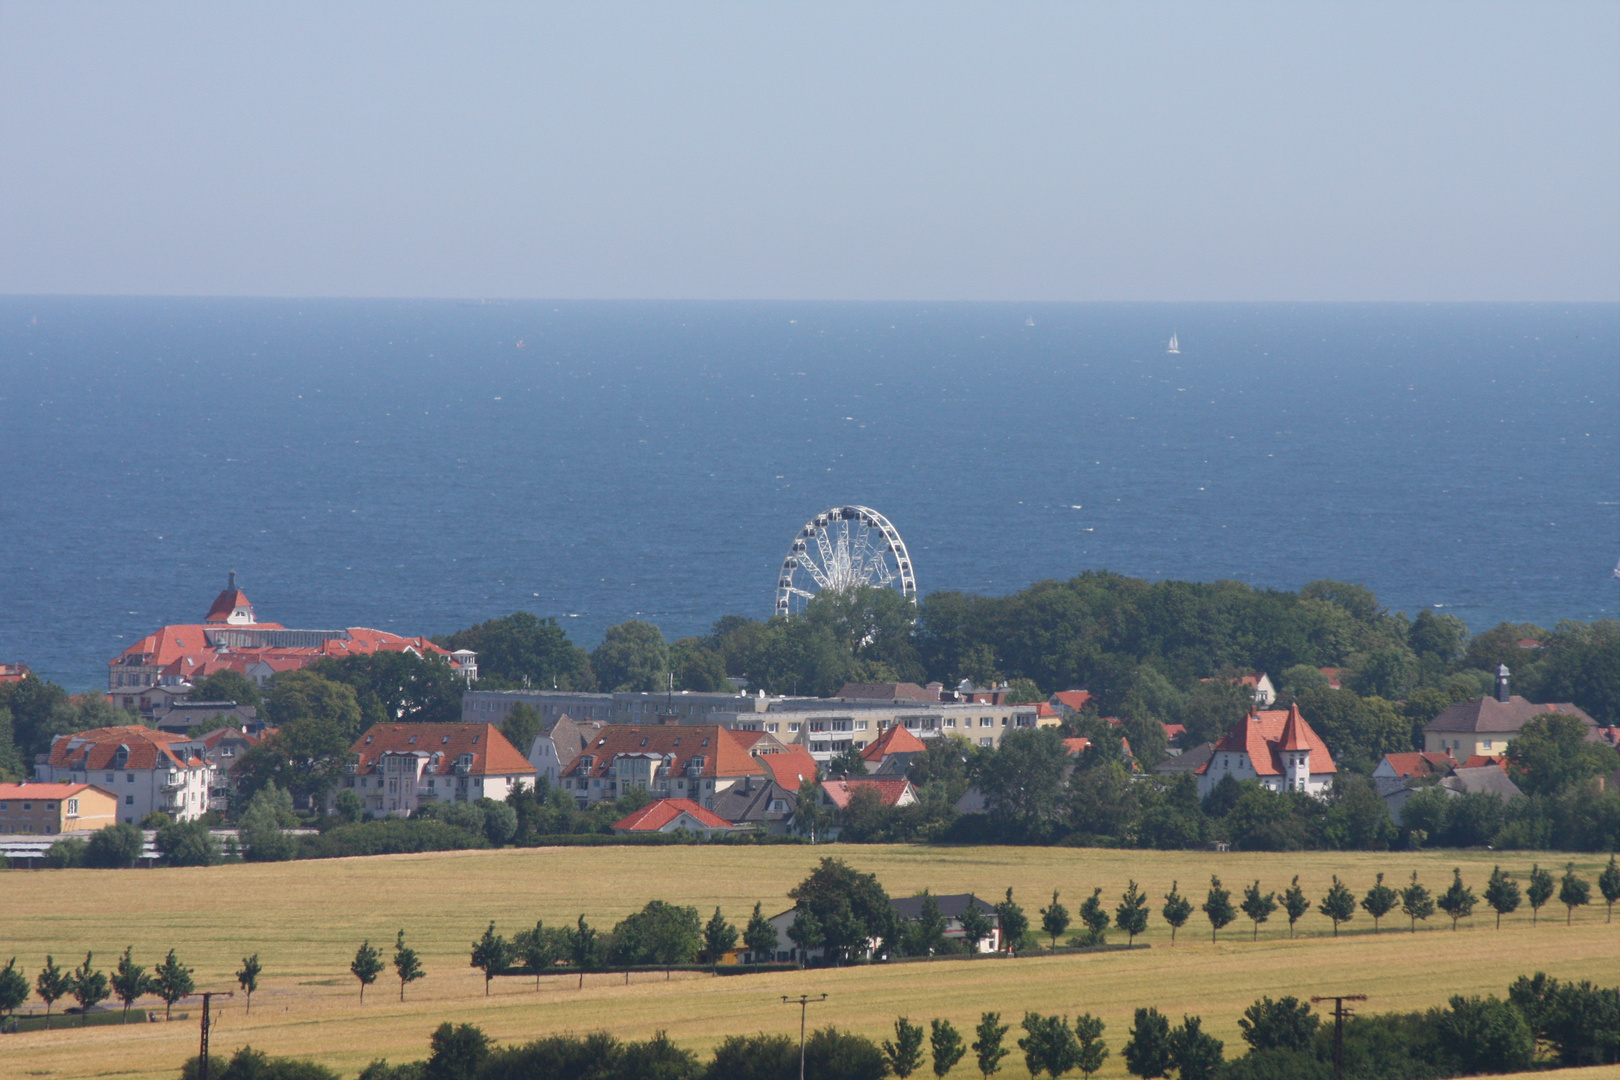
<point>1014,925</point>
<point>247,977</point>
<point>492,953</point>
<point>1609,886</point>
<point>975,925</point>
<point>1054,919</point>
<point>904,1055</point>
<point>52,984</point>
<point>1573,892</point>
<point>407,965</point>
<point>129,980</point>
<point>987,1048</point>
<point>13,988</point>
<point>1258,906</point>
<point>1416,903</point>
<point>1218,907</point>
<point>1132,914</point>
<point>946,1043</point>
<point>719,938</point>
<point>1148,1053</point>
<point>1502,893</point>
<point>1339,904</point>
<point>89,988</point>
<point>171,981</point>
<point>1458,900</point>
<point>1295,903</point>
<point>1095,918</point>
<point>1379,901</point>
<point>1176,911</point>
<point>1539,892</point>
<point>581,948</point>
<point>366,966</point>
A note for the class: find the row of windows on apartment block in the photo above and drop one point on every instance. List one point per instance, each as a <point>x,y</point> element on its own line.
<point>582,784</point>
<point>393,782</point>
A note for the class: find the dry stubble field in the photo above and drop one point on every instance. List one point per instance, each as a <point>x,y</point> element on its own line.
<point>305,920</point>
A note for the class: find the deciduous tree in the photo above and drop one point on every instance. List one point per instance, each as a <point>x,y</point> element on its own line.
<point>1416,903</point>
<point>1258,906</point>
<point>1458,900</point>
<point>1285,1024</point>
<point>1339,904</point>
<point>975,925</point>
<point>987,1048</point>
<point>89,988</point>
<point>129,980</point>
<point>1014,923</point>
<point>492,954</point>
<point>1176,911</point>
<point>407,965</point>
<point>1502,894</point>
<point>760,937</point>
<point>1095,918</point>
<point>171,981</point>
<point>1132,914</point>
<point>1573,892</point>
<point>904,1055</point>
<point>247,977</point>
<point>1197,1053</point>
<point>1539,891</point>
<point>946,1044</point>
<point>1218,907</point>
<point>1048,1044</point>
<point>366,966</point>
<point>1092,1051</point>
<point>1148,1052</point>
<point>1609,886</point>
<point>13,988</point>
<point>1379,901</point>
<point>1054,919</point>
<point>1295,904</point>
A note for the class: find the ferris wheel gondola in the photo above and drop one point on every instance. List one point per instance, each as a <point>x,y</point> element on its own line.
<point>842,548</point>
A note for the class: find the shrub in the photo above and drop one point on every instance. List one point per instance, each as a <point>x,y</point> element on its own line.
<point>115,847</point>
<point>66,853</point>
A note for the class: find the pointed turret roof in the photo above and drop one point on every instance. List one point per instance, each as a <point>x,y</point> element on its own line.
<point>1293,732</point>
<point>228,602</point>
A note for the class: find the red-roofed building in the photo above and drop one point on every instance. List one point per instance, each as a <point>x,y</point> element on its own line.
<point>1259,683</point>
<point>1077,747</point>
<point>44,809</point>
<point>10,673</point>
<point>231,639</point>
<point>1070,700</point>
<point>1414,765</point>
<point>890,792</point>
<point>399,767</point>
<point>677,761</point>
<point>1474,762</point>
<point>895,740</point>
<point>668,815</point>
<point>791,767</point>
<point>147,770</point>
<point>1277,748</point>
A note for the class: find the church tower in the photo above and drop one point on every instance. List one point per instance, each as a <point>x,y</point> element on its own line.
<point>231,607</point>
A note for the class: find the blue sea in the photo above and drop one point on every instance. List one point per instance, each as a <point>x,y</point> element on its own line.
<point>419,466</point>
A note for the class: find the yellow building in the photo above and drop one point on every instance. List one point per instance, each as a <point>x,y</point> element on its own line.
<point>47,809</point>
<point>1485,727</point>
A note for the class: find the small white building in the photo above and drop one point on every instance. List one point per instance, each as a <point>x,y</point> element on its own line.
<point>1275,747</point>
<point>145,770</point>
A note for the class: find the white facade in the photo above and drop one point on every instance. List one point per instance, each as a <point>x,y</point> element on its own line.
<point>179,790</point>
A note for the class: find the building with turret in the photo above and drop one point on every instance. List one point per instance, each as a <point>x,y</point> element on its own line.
<point>1275,747</point>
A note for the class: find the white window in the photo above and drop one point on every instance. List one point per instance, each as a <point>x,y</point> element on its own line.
<point>986,741</point>
<point>73,807</point>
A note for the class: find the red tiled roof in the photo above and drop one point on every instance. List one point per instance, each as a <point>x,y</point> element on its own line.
<point>791,767</point>
<point>1261,735</point>
<point>1076,747</point>
<point>1073,699</point>
<point>1172,732</point>
<point>1476,760</point>
<point>656,815</point>
<point>46,791</point>
<point>1419,763</point>
<point>722,753</point>
<point>492,755</point>
<point>1044,711</point>
<point>225,603</point>
<point>1331,674</point>
<point>838,792</point>
<point>894,740</point>
<point>94,749</point>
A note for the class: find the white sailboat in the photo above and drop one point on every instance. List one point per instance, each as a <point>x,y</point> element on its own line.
<point>1029,320</point>
<point>1174,349</point>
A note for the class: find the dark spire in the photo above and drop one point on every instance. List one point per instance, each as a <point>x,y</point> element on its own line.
<point>230,583</point>
<point>1502,683</point>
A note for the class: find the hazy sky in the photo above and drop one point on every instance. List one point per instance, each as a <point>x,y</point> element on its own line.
<point>1215,151</point>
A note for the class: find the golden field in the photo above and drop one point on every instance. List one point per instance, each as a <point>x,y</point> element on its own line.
<point>306,919</point>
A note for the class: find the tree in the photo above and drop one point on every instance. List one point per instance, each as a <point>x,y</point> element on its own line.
<point>522,649</point>
<point>316,721</point>
<point>407,965</point>
<point>456,1052</point>
<point>1258,907</point>
<point>1487,1036</point>
<point>1609,886</point>
<point>830,1052</point>
<point>366,966</point>
<point>115,847</point>
<point>188,843</point>
<point>904,1055</point>
<point>849,908</point>
<point>539,948</point>
<point>1285,1024</point>
<point>1197,1053</point>
<point>1218,908</point>
<point>1295,903</point>
<point>1092,1051</point>
<point>1415,902</point>
<point>129,981</point>
<point>1380,901</point>
<point>1176,911</point>
<point>660,933</point>
<point>171,981</point>
<point>759,936</point>
<point>845,763</point>
<point>946,1044</point>
<point>1048,1044</point>
<point>226,686</point>
<point>1539,891</point>
<point>89,988</point>
<point>719,938</point>
<point>987,1048</point>
<point>1551,755</point>
<point>1095,918</point>
<point>1054,919</point>
<point>1148,1052</point>
<point>1339,904</point>
<point>1132,914</point>
<point>633,656</point>
<point>925,935</point>
<point>247,977</point>
<point>1458,900</point>
<point>582,949</point>
<point>975,925</point>
<point>13,988</point>
<point>261,825</point>
<point>521,725</point>
<point>1014,924</point>
<point>1023,780</point>
<point>492,954</point>
<point>1573,892</point>
<point>1502,894</point>
<point>52,984</point>
<point>391,687</point>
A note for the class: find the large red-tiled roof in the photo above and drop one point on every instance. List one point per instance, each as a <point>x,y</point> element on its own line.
<point>1261,735</point>
<point>94,749</point>
<point>894,740</point>
<point>791,767</point>
<point>225,603</point>
<point>722,753</point>
<point>656,815</point>
<point>839,792</point>
<point>1419,763</point>
<point>491,753</point>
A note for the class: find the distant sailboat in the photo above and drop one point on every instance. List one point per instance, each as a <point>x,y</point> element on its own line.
<point>1174,349</point>
<point>1029,320</point>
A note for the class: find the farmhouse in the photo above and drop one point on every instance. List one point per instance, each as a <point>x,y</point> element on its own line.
<point>147,770</point>
<point>1277,748</point>
<point>399,767</point>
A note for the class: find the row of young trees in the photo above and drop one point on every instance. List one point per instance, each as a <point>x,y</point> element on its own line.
<point>169,982</point>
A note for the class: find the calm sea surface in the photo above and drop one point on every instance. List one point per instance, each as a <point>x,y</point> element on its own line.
<point>420,466</point>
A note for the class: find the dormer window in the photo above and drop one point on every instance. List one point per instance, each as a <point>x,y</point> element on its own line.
<point>369,738</point>
<point>413,740</point>
<point>445,741</point>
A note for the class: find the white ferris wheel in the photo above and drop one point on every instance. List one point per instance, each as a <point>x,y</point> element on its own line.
<point>840,549</point>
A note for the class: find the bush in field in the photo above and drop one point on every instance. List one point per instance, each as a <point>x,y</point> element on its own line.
<point>115,847</point>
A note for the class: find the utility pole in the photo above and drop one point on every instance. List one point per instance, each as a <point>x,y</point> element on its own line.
<point>202,1055</point>
<point>1340,1013</point>
<point>803,1001</point>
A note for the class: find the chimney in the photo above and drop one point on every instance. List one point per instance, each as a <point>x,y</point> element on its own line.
<point>1502,683</point>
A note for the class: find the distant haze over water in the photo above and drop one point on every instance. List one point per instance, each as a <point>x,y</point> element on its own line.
<point>409,465</point>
